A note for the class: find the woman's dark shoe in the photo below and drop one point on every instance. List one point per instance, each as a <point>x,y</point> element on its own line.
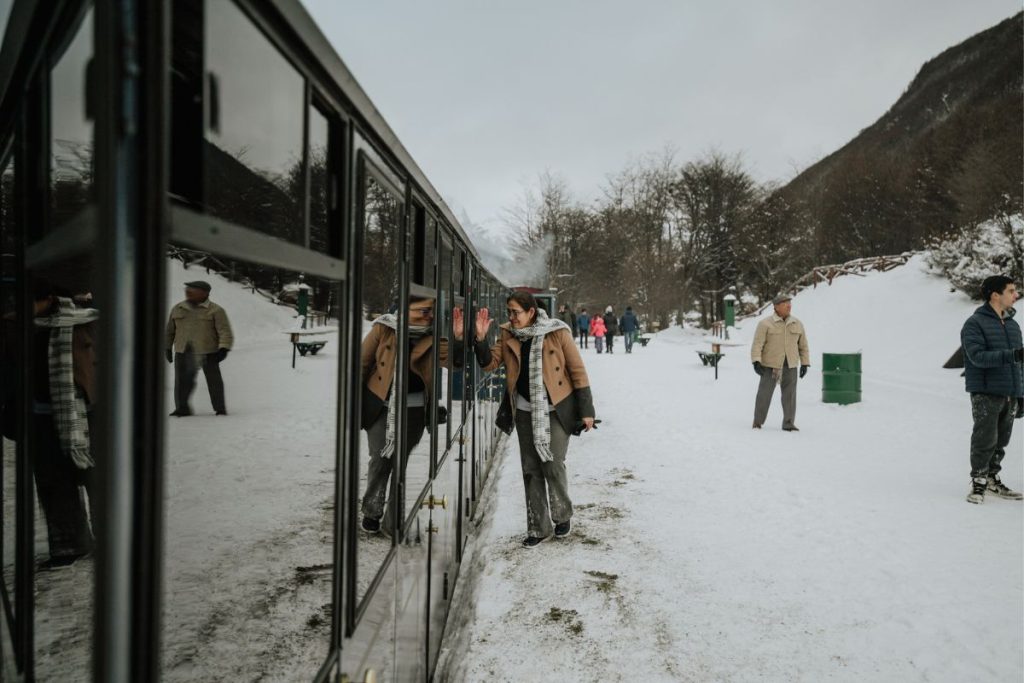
<point>533,541</point>
<point>562,529</point>
<point>371,525</point>
<point>60,562</point>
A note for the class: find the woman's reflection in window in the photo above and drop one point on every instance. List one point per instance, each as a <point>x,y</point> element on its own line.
<point>379,419</point>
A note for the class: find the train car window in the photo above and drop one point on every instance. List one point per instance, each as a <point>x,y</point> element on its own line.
<point>253,153</point>
<point>430,252</point>
<point>419,236</point>
<point>444,322</point>
<point>460,376</point>
<point>320,191</point>
<point>10,361</point>
<point>381,314</point>
<point>62,388</point>
<point>250,474</point>
<point>421,393</point>
<point>71,134</point>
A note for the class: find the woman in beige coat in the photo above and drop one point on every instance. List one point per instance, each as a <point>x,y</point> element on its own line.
<point>547,398</point>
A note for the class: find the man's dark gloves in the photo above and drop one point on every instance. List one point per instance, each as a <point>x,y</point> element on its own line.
<point>758,368</point>
<point>1019,355</point>
<point>169,355</point>
<point>803,370</point>
<point>1020,407</point>
<point>220,355</point>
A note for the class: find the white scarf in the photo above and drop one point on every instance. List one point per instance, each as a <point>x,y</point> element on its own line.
<point>68,402</point>
<point>541,327</point>
<point>390,320</point>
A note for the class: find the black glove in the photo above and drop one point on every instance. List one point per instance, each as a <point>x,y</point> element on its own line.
<point>803,370</point>
<point>220,355</point>
<point>169,355</point>
<point>758,368</point>
<point>1020,408</point>
<point>1019,354</point>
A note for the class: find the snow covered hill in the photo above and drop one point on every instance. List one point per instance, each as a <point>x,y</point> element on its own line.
<point>704,550</point>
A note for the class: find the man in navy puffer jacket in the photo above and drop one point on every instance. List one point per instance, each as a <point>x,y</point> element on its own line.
<point>994,367</point>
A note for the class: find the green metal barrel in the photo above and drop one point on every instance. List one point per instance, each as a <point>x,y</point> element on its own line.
<point>840,378</point>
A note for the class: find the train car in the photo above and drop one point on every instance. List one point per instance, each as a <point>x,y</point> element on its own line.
<point>149,143</point>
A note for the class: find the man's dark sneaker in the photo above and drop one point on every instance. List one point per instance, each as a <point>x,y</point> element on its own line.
<point>562,529</point>
<point>222,412</point>
<point>181,413</point>
<point>757,426</point>
<point>371,525</point>
<point>977,494</point>
<point>1002,490</point>
<point>533,541</point>
<point>790,429</point>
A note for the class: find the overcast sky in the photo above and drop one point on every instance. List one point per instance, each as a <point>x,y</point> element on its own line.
<point>485,95</point>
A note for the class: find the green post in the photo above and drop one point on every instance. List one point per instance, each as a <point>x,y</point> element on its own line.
<point>730,310</point>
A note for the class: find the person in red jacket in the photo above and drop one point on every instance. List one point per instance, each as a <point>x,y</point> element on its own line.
<point>598,330</point>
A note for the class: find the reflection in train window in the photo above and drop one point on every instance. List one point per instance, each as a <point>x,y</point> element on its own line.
<point>10,361</point>
<point>253,157</point>
<point>444,322</point>
<point>251,458</point>
<point>319,188</point>
<point>381,316</point>
<point>71,132</point>
<point>62,388</point>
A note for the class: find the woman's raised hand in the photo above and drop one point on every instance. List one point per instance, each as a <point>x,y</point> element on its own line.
<point>458,322</point>
<point>483,323</point>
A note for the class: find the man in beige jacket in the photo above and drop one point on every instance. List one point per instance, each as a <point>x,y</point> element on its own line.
<point>780,344</point>
<point>198,335</point>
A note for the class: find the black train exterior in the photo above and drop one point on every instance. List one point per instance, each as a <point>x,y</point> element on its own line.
<point>122,141</point>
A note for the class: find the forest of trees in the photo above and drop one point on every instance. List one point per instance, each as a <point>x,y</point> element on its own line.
<point>671,237</point>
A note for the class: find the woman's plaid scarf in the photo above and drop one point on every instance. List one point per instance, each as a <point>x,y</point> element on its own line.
<point>68,401</point>
<point>541,327</point>
<point>390,320</point>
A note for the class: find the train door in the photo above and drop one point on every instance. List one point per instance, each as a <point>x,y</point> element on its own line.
<point>443,500</point>
<point>373,511</point>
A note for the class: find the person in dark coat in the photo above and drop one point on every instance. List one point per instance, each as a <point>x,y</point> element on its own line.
<point>583,328</point>
<point>629,326</point>
<point>566,315</point>
<point>994,371</point>
<point>611,325</point>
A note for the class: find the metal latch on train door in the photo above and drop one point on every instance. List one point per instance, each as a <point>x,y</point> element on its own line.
<point>432,502</point>
<point>370,677</point>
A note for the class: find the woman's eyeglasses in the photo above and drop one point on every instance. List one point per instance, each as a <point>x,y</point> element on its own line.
<point>425,312</point>
<point>511,313</point>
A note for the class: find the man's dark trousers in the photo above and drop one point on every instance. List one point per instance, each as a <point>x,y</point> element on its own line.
<point>993,424</point>
<point>186,366</point>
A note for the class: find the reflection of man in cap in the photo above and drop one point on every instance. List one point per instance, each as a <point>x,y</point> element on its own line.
<point>780,344</point>
<point>198,336</point>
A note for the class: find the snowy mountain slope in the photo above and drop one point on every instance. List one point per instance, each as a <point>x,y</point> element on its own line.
<point>705,550</point>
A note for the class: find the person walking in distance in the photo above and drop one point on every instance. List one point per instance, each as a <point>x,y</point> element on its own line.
<point>629,326</point>
<point>198,336</point>
<point>780,344</point>
<point>994,372</point>
<point>597,329</point>
<point>611,327</point>
<point>566,315</point>
<point>583,328</point>
<point>547,397</point>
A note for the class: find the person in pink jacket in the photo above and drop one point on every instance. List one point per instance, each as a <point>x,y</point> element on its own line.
<point>598,330</point>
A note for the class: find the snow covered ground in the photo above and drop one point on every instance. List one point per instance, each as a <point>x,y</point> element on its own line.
<point>703,550</point>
